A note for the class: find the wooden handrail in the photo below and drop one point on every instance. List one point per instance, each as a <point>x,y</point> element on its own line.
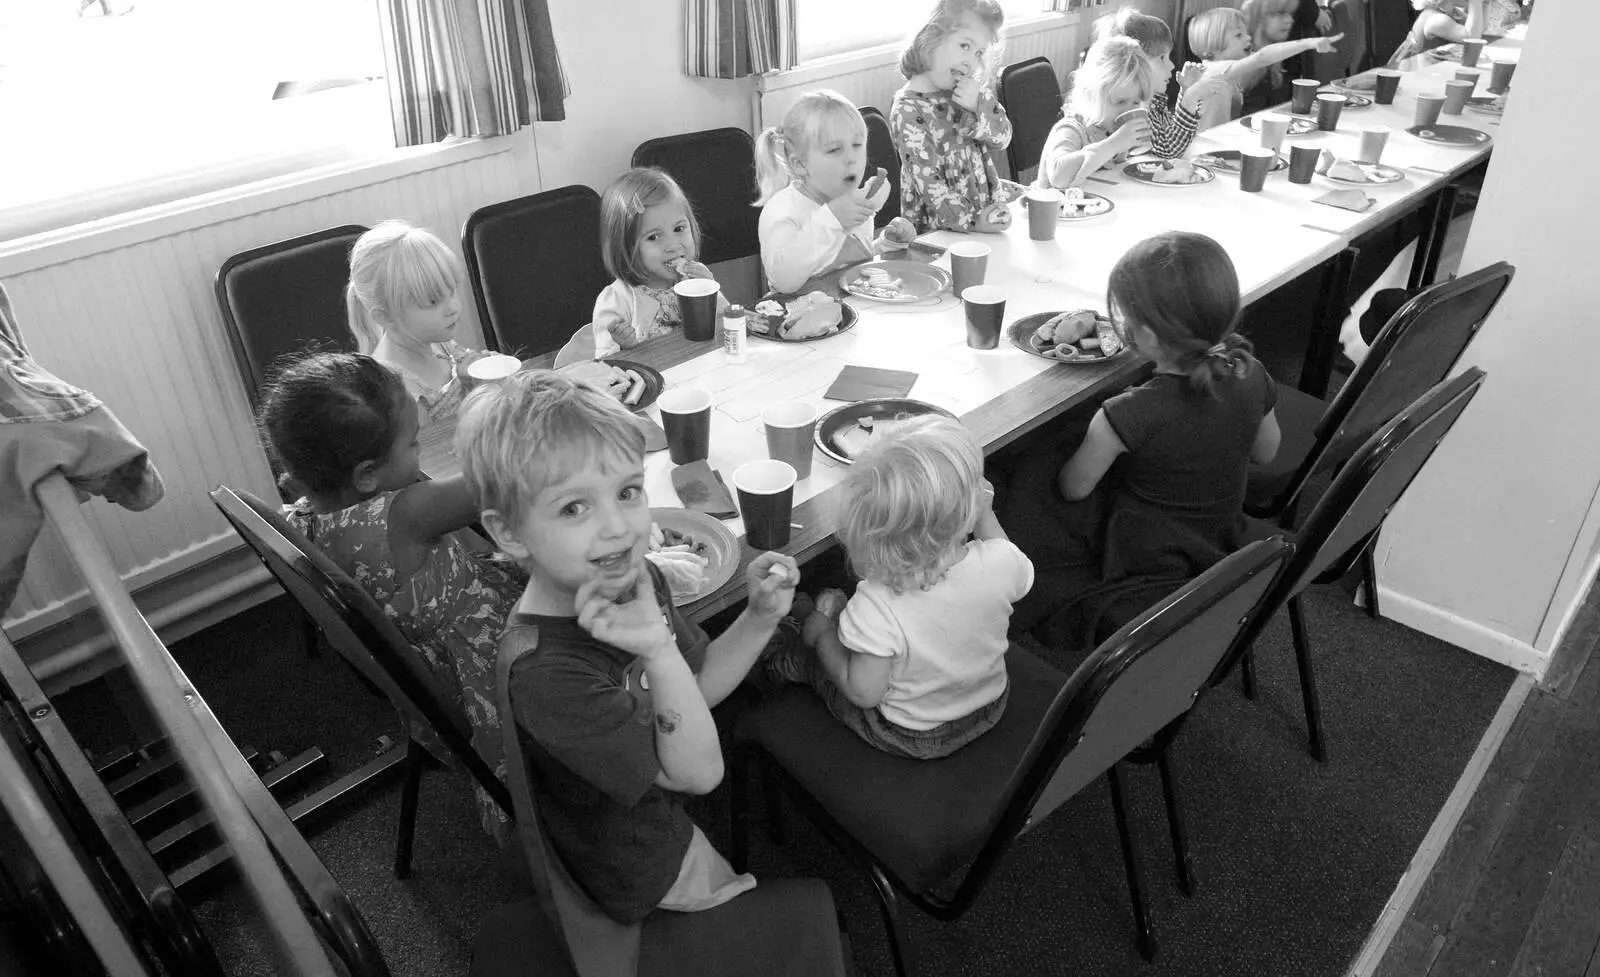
<point>147,660</point>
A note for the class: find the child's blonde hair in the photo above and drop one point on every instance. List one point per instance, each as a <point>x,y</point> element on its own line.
<point>392,266</point>
<point>1257,11</point>
<point>534,429</point>
<point>1208,32</point>
<point>1110,64</point>
<point>815,118</point>
<point>622,208</point>
<point>910,501</point>
<point>942,22</point>
<point>1152,33</point>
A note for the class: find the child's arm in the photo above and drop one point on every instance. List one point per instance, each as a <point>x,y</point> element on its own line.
<point>795,247</point>
<point>1171,130</point>
<point>1268,437</point>
<point>1274,54</point>
<point>612,321</point>
<point>1445,27</point>
<point>863,678</point>
<point>423,511</point>
<point>1092,460</point>
<point>988,526</point>
<point>1068,160</point>
<point>730,656</point>
<point>985,120</point>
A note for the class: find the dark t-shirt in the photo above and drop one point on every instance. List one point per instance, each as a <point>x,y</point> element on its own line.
<point>586,724</point>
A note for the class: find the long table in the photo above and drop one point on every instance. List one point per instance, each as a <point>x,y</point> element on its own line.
<point>1003,394</point>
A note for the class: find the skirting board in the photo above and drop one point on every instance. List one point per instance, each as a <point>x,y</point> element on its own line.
<point>1468,635</point>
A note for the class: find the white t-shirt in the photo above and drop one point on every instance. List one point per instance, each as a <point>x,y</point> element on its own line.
<point>801,238</point>
<point>948,642</point>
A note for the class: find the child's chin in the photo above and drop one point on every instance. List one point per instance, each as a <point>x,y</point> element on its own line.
<point>620,588</point>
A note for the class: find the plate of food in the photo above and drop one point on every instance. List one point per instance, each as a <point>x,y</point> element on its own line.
<point>1299,125</point>
<point>635,384</point>
<point>1352,99</point>
<point>1490,105</point>
<point>895,280</point>
<point>1355,83</point>
<point>1079,336</point>
<point>1078,204</point>
<point>1228,161</point>
<point>1450,135</point>
<point>1445,52</point>
<point>800,319</point>
<point>1354,174</point>
<point>696,553</point>
<point>845,432</point>
<point>1169,173</point>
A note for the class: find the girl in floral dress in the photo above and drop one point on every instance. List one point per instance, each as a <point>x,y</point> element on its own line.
<point>947,123</point>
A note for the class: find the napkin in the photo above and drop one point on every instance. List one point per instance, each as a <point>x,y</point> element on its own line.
<point>1346,200</point>
<point>868,383</point>
<point>1343,169</point>
<point>655,439</point>
<point>701,488</point>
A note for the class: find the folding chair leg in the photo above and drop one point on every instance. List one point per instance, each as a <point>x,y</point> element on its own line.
<point>739,809</point>
<point>893,921</point>
<point>1369,577</point>
<point>772,795</point>
<point>313,636</point>
<point>1130,863</point>
<point>1247,672</point>
<point>416,759</point>
<point>1180,847</point>
<point>1308,678</point>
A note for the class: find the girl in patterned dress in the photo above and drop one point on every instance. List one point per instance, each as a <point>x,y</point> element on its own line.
<point>947,122</point>
<point>344,430</point>
<point>404,304</point>
<point>649,240</point>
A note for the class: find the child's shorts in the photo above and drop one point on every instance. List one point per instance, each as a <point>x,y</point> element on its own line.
<point>705,879</point>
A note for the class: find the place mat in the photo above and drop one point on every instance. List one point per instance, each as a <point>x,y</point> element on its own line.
<point>1450,135</point>
<point>870,382</point>
<point>1346,200</point>
<point>1298,125</point>
<point>1229,161</point>
<point>701,488</point>
<point>655,438</point>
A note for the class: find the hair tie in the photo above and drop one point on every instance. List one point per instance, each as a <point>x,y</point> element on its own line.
<point>1220,350</point>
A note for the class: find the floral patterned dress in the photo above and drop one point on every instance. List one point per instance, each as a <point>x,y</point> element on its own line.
<point>452,609</point>
<point>442,402</point>
<point>947,175</point>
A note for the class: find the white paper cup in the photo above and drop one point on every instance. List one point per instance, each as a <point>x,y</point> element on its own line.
<point>495,366</point>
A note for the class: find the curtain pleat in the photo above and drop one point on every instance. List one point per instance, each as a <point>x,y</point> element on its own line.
<point>735,38</point>
<point>470,67</point>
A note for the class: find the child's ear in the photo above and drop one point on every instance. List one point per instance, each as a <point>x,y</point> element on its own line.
<point>365,476</point>
<point>504,538</point>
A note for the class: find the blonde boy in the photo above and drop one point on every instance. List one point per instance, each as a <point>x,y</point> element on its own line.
<point>1221,39</point>
<point>614,708</point>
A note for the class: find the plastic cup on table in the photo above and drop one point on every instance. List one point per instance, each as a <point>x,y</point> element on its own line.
<point>686,419</point>
<point>985,307</point>
<point>697,301</point>
<point>1500,76</point>
<point>1455,96</point>
<point>1043,205</point>
<point>1254,163</point>
<point>969,261</point>
<point>1329,105</point>
<point>1386,84</point>
<point>766,501</point>
<point>1274,127</point>
<point>1428,107</point>
<point>1303,163</point>
<point>789,425</point>
<point>1471,47</point>
<point>1373,139</point>
<point>1303,94</point>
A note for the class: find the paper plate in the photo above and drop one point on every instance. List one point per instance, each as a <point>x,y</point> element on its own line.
<point>879,409</point>
<point>1021,334</point>
<point>1100,206</point>
<point>1360,84</point>
<point>1445,52</point>
<point>1380,174</point>
<point>1144,172</point>
<point>653,381</point>
<point>847,321</point>
<point>1228,161</point>
<point>918,281</point>
<point>1450,135</point>
<point>1490,105</point>
<point>723,546</point>
<point>1352,99</point>
<point>1299,125</point>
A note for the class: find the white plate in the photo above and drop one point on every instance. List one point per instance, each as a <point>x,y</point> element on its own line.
<point>1381,176</point>
<point>719,540</point>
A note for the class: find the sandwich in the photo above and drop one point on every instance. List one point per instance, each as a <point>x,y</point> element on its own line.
<point>875,182</point>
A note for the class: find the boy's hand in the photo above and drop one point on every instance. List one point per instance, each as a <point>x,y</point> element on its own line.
<point>1130,135</point>
<point>1325,20</point>
<point>967,91</point>
<point>1326,44</point>
<point>637,627</point>
<point>771,591</point>
<point>1196,95</point>
<point>1191,74</point>
<point>852,209</point>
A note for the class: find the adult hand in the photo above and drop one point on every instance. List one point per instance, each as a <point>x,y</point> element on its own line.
<point>637,626</point>
<point>852,209</point>
<point>771,593</point>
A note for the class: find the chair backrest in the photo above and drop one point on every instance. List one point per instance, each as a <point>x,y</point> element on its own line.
<point>1388,23</point>
<point>280,297</point>
<point>356,627</point>
<point>881,152</point>
<point>535,267</point>
<point>716,169</point>
<point>1415,350</point>
<point>1031,94</point>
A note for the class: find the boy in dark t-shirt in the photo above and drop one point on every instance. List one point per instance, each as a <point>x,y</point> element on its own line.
<point>613,704</point>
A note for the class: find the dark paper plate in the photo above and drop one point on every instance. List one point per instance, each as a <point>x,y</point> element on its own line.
<point>1021,334</point>
<point>882,409</point>
<point>847,321</point>
<point>653,381</point>
<point>719,539</point>
<point>1229,161</point>
<point>1450,135</point>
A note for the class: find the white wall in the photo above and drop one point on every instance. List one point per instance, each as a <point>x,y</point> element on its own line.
<point>1489,547</point>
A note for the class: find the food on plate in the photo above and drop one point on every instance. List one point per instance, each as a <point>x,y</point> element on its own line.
<point>683,560</point>
<point>627,386</point>
<point>1068,327</point>
<point>809,316</point>
<point>852,440</point>
<point>1074,336</point>
<point>1170,171</point>
<point>876,283</point>
<point>1358,83</point>
<point>1076,203</point>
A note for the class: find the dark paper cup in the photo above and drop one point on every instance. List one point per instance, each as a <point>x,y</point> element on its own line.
<point>969,261</point>
<point>1428,107</point>
<point>686,417</point>
<point>1500,75</point>
<point>1253,166</point>
<point>1470,49</point>
<point>986,309</point>
<point>1455,96</point>
<point>1328,108</point>
<point>1471,76</point>
<point>697,301</point>
<point>766,501</point>
<point>1373,139</point>
<point>1302,95</point>
<point>1387,83</point>
<point>1044,212</point>
<point>789,425</point>
<point>1303,163</point>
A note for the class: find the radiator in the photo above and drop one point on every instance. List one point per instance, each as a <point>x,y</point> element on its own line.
<point>129,313</point>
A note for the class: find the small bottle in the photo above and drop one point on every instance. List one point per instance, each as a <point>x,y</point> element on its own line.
<point>735,334</point>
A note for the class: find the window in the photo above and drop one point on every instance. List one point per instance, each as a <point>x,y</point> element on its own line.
<point>827,27</point>
<point>118,106</point>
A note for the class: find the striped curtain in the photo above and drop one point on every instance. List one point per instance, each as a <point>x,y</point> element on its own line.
<point>469,67</point>
<point>735,38</point>
<point>1062,6</point>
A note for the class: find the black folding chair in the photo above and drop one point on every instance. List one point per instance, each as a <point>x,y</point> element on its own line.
<point>934,830</point>
<point>716,169</point>
<point>1032,96</point>
<point>881,152</point>
<point>1388,23</point>
<point>354,625</point>
<point>535,267</point>
<point>1348,515</point>
<point>281,297</point>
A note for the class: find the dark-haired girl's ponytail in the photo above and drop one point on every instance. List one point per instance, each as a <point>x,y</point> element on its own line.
<point>1231,356</point>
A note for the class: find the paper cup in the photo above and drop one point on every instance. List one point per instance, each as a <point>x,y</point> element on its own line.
<point>766,501</point>
<point>789,425</point>
<point>1274,127</point>
<point>1373,139</point>
<point>1469,76</point>
<point>1044,212</point>
<point>1470,49</point>
<point>697,301</point>
<point>1428,107</point>
<point>686,418</point>
<point>985,309</point>
<point>1329,106</point>
<point>969,260</point>
<point>1386,84</point>
<point>1455,96</point>
<point>495,366</point>
<point>1500,75</point>
<point>1303,94</point>
<point>1303,163</point>
<point>1253,166</point>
